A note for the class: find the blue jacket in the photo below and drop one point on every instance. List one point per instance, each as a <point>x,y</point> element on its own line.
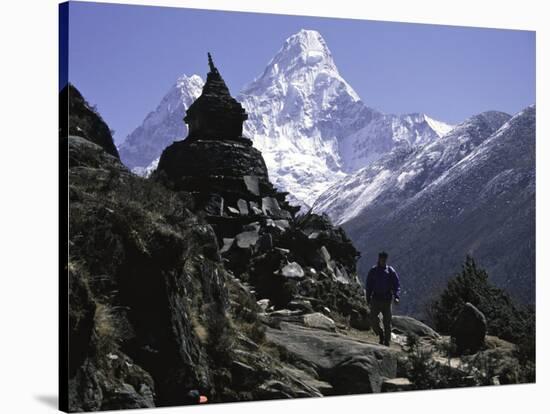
<point>382,283</point>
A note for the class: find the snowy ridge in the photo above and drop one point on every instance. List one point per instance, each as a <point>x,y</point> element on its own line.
<point>404,172</point>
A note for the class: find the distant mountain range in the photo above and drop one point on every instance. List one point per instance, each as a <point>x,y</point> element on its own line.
<point>426,191</point>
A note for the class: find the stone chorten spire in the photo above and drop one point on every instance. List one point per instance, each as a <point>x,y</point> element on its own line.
<point>215,114</point>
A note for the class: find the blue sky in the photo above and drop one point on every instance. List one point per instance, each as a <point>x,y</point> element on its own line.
<point>124,58</point>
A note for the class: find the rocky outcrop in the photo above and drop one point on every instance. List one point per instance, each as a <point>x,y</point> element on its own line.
<point>150,308</point>
<point>78,117</point>
<point>349,365</point>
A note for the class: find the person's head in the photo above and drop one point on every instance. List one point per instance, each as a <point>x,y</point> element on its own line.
<point>382,258</point>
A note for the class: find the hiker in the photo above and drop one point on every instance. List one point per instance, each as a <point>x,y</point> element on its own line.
<point>382,289</point>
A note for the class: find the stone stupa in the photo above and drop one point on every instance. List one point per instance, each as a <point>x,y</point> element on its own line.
<point>226,175</point>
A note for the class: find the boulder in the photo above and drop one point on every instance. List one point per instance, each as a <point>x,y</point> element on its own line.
<point>469,329</point>
<point>405,325</point>
<point>319,321</point>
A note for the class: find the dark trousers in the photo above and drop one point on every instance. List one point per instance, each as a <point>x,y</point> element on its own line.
<point>377,307</point>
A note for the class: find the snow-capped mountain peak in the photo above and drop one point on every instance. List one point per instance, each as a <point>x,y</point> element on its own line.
<point>303,58</point>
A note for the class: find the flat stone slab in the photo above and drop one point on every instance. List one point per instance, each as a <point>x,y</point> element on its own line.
<point>396,384</point>
<point>242,205</point>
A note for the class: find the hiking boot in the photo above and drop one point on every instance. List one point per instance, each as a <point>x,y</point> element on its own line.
<point>381,341</point>
<point>387,343</point>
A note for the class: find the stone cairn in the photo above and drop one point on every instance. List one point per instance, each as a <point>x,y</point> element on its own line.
<point>284,256</point>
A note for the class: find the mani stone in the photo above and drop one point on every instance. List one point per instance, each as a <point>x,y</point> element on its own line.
<point>270,207</point>
<point>252,184</point>
<point>242,205</point>
<point>247,239</point>
<point>293,271</point>
<point>255,208</point>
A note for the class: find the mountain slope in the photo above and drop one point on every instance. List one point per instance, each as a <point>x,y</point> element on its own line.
<point>406,170</point>
<point>483,205</point>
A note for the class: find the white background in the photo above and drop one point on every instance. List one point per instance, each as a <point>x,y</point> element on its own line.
<point>29,193</point>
